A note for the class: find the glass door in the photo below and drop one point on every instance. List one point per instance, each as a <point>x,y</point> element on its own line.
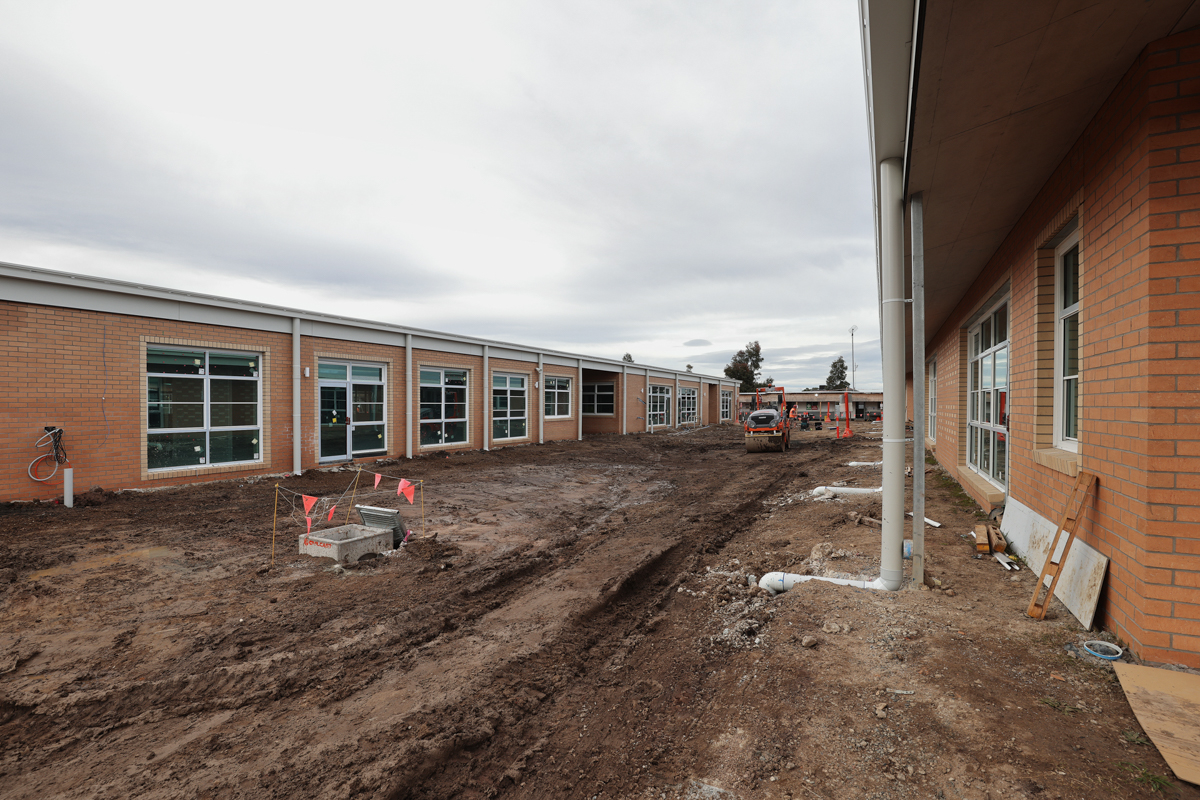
<point>352,410</point>
<point>334,422</point>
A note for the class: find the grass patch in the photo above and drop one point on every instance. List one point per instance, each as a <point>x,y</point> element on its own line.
<point>1134,737</point>
<point>1151,780</point>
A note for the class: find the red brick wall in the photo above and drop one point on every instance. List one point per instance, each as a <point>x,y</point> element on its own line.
<point>1133,178</point>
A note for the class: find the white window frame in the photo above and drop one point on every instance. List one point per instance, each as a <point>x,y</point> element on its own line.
<point>508,391</point>
<point>594,395</point>
<point>206,429</point>
<point>658,406</point>
<point>931,401</point>
<point>558,387</point>
<point>993,430</point>
<point>726,405</point>
<point>1061,316</point>
<point>688,405</point>
<point>441,404</point>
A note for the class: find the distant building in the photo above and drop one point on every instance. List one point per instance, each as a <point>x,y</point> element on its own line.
<point>156,387</point>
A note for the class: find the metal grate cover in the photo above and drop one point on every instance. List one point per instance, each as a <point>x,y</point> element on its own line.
<point>374,517</point>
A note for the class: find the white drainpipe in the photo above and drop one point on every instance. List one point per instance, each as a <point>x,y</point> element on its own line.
<point>487,401</point>
<point>891,214</point>
<point>297,438</point>
<point>410,410</point>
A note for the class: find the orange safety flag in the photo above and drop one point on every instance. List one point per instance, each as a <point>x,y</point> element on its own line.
<point>378,478</point>
<point>309,502</point>
<point>406,489</point>
<point>330,517</point>
<point>309,524</point>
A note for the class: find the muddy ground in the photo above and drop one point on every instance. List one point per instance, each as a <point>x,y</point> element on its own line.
<point>581,627</point>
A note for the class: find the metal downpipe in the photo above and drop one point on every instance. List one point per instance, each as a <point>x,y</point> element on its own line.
<point>891,240</point>
<point>297,466</point>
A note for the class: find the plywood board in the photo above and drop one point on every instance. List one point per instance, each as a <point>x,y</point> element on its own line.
<point>1030,535</point>
<point>1167,704</point>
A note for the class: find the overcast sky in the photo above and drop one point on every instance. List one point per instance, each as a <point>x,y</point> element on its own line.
<point>669,179</point>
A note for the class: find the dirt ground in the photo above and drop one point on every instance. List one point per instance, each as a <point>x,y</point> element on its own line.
<point>581,627</point>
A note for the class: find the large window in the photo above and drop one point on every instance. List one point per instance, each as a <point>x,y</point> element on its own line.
<point>443,406</point>
<point>987,395</point>
<point>202,407</point>
<point>726,405</point>
<point>931,400</point>
<point>351,410</point>
<point>659,410</point>
<point>687,405</point>
<point>1066,350</point>
<point>508,407</point>
<point>558,397</point>
<point>599,398</point>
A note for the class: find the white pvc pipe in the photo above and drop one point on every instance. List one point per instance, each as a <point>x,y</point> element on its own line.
<point>834,491</point>
<point>865,464</point>
<point>297,418</point>
<point>69,487</point>
<point>782,581</point>
<point>891,265</point>
<point>487,401</point>
<point>917,216</point>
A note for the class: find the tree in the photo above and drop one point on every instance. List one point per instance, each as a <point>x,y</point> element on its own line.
<point>689,367</point>
<point>837,376</point>
<point>627,358</point>
<point>746,366</point>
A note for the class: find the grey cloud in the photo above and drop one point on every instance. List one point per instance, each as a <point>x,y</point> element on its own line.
<point>697,343</point>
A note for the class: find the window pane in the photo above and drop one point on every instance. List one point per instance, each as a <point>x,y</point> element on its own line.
<point>367,438</point>
<point>431,411</point>
<point>229,446</point>
<point>564,409</point>
<point>974,416</point>
<point>1071,408</point>
<point>227,415</point>
<point>431,394</point>
<point>333,372</point>
<point>985,414</point>
<point>165,450</point>
<point>175,390</point>
<point>500,403</point>
<point>986,372</point>
<point>985,451</point>
<point>455,395</point>
<point>517,403</point>
<point>1001,357</point>
<point>367,373</point>
<point>985,335</point>
<point>175,362</point>
<point>517,427</point>
<point>368,412</point>
<point>242,366</point>
<point>1000,324</point>
<point>1071,346</point>
<point>456,411</point>
<point>1002,408</point>
<point>456,377</point>
<point>499,382</point>
<point>175,415</point>
<point>589,406</point>
<point>431,433</point>
<point>1070,277</point>
<point>1000,470</point>
<point>456,432</point>
<point>226,391</point>
<point>366,393</point>
<point>431,376</point>
<point>516,383</point>
<point>499,429</point>
<point>974,375</point>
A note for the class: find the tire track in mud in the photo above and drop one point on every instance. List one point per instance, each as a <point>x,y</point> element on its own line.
<point>590,641</point>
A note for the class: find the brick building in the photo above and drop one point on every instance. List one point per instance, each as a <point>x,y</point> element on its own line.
<point>1043,161</point>
<point>156,387</point>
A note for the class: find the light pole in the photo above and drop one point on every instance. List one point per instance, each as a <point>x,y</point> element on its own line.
<point>853,366</point>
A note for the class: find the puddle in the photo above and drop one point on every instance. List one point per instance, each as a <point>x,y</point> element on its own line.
<point>101,561</point>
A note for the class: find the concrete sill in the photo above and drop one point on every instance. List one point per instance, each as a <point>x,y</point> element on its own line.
<point>981,489</point>
<point>1063,461</point>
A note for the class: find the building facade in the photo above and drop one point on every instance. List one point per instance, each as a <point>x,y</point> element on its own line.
<point>1054,202</point>
<point>155,387</point>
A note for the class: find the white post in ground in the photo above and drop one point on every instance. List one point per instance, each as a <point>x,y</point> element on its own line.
<point>916,212</point>
<point>891,214</point>
<point>69,487</point>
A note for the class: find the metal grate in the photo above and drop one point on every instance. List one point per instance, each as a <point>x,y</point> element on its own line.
<point>385,518</point>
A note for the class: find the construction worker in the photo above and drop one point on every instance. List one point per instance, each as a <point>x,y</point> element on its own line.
<point>793,413</point>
